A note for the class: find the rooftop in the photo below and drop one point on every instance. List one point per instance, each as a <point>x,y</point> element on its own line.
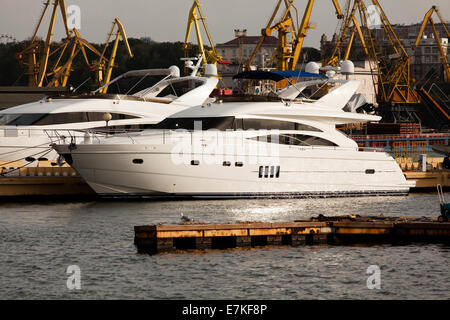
<point>249,40</point>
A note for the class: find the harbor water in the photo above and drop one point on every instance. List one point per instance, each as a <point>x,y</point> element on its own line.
<point>39,241</point>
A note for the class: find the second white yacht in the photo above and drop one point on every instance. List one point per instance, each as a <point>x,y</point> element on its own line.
<point>26,131</point>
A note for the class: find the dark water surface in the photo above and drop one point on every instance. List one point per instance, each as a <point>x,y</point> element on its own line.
<point>38,241</point>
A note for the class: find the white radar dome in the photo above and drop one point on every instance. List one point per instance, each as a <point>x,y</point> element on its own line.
<point>312,67</point>
<point>331,73</point>
<point>174,71</point>
<point>347,67</point>
<point>210,70</point>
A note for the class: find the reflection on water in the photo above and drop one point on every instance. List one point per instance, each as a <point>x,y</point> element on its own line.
<point>39,241</point>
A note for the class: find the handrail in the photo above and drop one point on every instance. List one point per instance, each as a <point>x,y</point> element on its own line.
<point>165,135</point>
<point>434,85</point>
<point>440,194</point>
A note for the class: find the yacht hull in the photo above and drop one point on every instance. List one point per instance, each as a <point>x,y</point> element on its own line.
<point>150,171</point>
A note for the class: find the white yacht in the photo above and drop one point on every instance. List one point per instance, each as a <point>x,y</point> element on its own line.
<point>231,150</point>
<point>25,130</point>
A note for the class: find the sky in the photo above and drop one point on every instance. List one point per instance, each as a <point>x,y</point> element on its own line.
<point>166,20</point>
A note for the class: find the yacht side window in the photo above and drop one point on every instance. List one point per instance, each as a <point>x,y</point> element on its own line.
<point>267,124</point>
<point>231,123</point>
<point>295,139</point>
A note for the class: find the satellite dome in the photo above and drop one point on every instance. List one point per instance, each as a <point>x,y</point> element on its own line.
<point>312,67</point>
<point>210,70</point>
<point>331,73</point>
<point>174,71</point>
<point>347,67</point>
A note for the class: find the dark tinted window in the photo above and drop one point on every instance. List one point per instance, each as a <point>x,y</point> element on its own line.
<point>21,120</point>
<point>295,139</point>
<point>43,119</point>
<point>70,117</point>
<point>261,124</point>
<point>224,123</point>
<point>220,123</point>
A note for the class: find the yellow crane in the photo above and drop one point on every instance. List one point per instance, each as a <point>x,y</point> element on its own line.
<point>287,33</point>
<point>288,53</point>
<point>393,80</point>
<point>36,67</point>
<point>391,73</point>
<point>350,24</point>
<point>208,56</point>
<point>429,19</point>
<point>60,74</point>
<point>37,60</point>
<point>104,71</point>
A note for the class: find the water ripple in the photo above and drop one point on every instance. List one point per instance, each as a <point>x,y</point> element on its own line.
<point>39,241</point>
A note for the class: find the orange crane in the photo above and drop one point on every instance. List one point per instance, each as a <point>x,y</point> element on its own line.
<point>429,19</point>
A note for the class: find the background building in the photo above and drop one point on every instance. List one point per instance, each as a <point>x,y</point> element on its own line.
<point>239,50</point>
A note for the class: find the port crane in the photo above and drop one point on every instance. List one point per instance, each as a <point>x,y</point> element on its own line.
<point>288,52</point>
<point>290,35</point>
<point>349,27</point>
<point>391,73</point>
<point>208,56</point>
<point>36,60</point>
<point>105,66</point>
<point>428,19</point>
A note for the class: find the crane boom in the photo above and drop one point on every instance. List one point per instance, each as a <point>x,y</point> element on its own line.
<point>301,35</point>
<point>208,56</point>
<point>287,53</point>
<point>37,66</point>
<point>428,19</point>
<point>104,74</point>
